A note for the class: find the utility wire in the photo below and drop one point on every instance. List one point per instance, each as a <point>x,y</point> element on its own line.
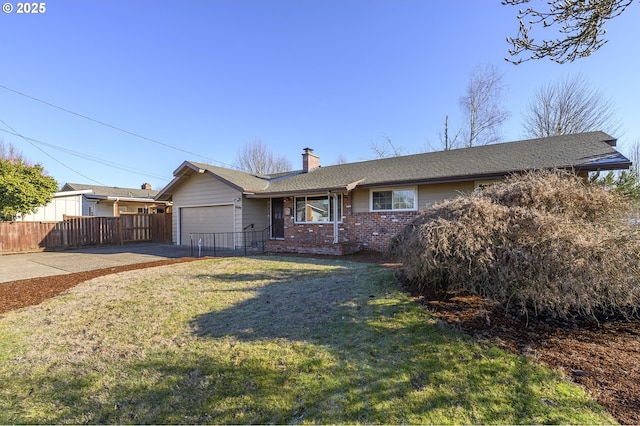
<point>92,158</point>
<point>47,154</point>
<point>102,123</point>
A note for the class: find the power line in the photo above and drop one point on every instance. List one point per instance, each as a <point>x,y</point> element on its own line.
<point>92,158</point>
<point>102,123</point>
<point>49,155</point>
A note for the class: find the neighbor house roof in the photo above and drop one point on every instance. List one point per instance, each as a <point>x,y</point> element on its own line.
<point>591,151</point>
<point>111,192</point>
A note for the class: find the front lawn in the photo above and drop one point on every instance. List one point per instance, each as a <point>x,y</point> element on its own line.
<point>262,340</point>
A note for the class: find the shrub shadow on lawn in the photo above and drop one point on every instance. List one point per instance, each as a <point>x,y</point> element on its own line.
<point>383,349</point>
<point>288,345</point>
<point>300,307</point>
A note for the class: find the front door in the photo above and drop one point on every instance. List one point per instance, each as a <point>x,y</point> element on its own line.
<point>277,218</point>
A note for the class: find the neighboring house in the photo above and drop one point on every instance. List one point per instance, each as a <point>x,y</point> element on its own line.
<point>75,199</point>
<point>342,208</point>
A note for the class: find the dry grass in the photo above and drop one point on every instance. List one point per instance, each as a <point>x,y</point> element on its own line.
<point>262,340</point>
<point>544,243</point>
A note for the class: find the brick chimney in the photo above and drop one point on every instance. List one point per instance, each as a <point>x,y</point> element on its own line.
<point>146,186</point>
<point>310,161</point>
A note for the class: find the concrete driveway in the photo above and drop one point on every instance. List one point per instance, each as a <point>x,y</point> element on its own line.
<point>43,264</point>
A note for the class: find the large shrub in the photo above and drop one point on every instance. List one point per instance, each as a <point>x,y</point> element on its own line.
<point>542,243</point>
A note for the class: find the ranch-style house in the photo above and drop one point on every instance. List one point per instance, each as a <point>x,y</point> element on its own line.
<point>343,208</point>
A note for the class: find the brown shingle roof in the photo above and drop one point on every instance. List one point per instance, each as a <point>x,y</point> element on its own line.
<point>586,151</point>
<point>582,152</point>
<point>242,180</point>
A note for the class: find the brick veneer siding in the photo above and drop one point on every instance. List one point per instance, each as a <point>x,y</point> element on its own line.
<point>375,230</point>
<point>372,231</point>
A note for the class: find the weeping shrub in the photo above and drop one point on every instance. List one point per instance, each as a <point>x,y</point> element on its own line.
<point>542,243</point>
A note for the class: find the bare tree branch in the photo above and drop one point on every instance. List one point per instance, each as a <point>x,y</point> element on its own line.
<point>255,157</point>
<point>581,27</point>
<point>633,153</point>
<point>11,153</point>
<point>482,106</point>
<point>569,106</point>
<point>448,142</point>
<point>387,149</point>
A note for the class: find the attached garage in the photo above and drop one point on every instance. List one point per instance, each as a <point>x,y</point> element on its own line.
<point>205,220</point>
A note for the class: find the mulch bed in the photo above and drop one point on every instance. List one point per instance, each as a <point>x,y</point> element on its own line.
<point>603,358</point>
<point>21,293</point>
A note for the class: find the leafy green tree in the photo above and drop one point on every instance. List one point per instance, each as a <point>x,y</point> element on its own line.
<point>23,187</point>
<point>626,183</point>
<point>579,24</point>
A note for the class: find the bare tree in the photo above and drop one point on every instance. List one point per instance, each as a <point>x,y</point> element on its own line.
<point>9,152</point>
<point>633,153</point>
<point>342,159</point>
<point>448,142</point>
<point>255,157</point>
<point>581,27</point>
<point>571,105</point>
<point>482,106</point>
<point>386,149</point>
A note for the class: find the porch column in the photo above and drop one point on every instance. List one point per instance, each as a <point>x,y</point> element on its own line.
<point>335,218</point>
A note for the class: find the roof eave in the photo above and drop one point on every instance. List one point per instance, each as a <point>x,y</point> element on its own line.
<point>315,191</point>
<point>72,193</point>
<point>185,170</point>
<point>165,194</point>
<point>601,167</point>
<point>445,179</point>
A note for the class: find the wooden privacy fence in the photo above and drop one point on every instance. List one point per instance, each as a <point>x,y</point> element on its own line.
<point>85,231</point>
<point>135,227</point>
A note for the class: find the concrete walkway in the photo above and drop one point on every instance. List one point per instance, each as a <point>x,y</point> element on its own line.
<point>43,264</point>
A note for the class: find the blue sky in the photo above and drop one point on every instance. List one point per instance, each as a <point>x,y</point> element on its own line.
<point>196,79</point>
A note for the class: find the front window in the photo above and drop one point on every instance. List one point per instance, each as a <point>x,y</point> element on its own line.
<point>394,199</point>
<point>317,209</point>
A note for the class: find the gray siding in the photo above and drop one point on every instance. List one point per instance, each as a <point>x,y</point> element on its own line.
<point>428,195</point>
<point>360,201</point>
<point>255,211</point>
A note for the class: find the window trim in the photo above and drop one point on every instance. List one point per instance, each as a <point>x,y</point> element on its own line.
<point>329,197</point>
<point>414,189</point>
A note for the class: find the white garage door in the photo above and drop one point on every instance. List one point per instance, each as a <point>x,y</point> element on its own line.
<point>205,220</point>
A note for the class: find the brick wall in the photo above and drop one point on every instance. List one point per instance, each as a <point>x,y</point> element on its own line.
<point>375,230</point>
<point>371,231</point>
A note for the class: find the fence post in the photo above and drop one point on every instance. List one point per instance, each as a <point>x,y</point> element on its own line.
<point>65,233</point>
